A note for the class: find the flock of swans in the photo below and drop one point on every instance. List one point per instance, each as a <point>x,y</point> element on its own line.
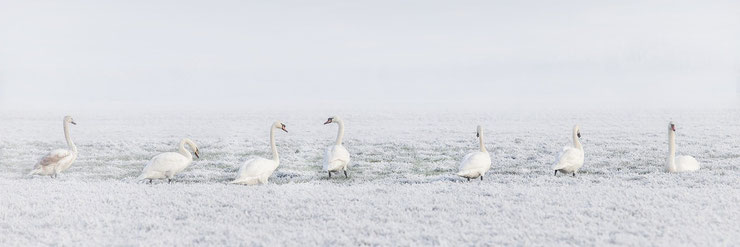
<point>336,159</point>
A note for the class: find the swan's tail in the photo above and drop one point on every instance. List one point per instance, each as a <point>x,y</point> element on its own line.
<point>247,181</point>
<point>467,174</point>
<point>34,172</point>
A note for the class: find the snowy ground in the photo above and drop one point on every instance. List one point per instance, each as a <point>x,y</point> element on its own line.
<point>401,192</point>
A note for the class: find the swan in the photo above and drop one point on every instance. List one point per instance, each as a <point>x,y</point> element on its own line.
<point>476,164</point>
<point>58,160</point>
<point>337,157</point>
<point>257,170</point>
<point>167,165</point>
<point>680,163</point>
<point>571,159</point>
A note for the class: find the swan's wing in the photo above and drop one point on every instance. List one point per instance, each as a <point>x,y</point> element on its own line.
<point>337,153</point>
<point>53,158</point>
<point>256,167</point>
<point>570,157</point>
<point>475,160</point>
<point>165,162</point>
<point>686,163</point>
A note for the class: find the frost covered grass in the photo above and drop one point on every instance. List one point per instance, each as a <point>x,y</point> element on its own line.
<point>401,191</point>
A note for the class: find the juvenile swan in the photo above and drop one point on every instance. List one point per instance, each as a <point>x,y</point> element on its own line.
<point>257,170</point>
<point>337,157</point>
<point>167,165</point>
<point>571,159</point>
<point>58,160</point>
<point>476,164</point>
<point>680,163</point>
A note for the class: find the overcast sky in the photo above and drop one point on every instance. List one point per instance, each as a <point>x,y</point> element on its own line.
<point>248,53</point>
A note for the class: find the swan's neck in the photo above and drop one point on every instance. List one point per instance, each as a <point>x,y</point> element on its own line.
<point>184,151</point>
<point>671,151</point>
<point>340,133</point>
<point>67,136</point>
<point>482,146</point>
<point>275,155</point>
<point>576,141</point>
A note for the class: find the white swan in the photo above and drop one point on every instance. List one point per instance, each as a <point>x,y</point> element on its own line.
<point>58,160</point>
<point>476,164</point>
<point>258,170</point>
<point>167,165</point>
<point>337,157</point>
<point>680,163</point>
<point>571,159</point>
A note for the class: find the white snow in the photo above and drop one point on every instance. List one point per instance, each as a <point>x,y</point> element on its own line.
<point>402,188</point>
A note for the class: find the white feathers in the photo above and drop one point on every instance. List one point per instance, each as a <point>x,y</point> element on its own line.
<point>680,163</point>
<point>167,165</point>
<point>476,164</point>
<point>571,158</point>
<point>336,157</point>
<point>257,171</point>
<point>58,160</point>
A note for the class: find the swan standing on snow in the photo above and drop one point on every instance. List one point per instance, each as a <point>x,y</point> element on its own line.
<point>257,170</point>
<point>167,165</point>
<point>571,159</point>
<point>58,160</point>
<point>476,164</point>
<point>680,163</point>
<point>337,157</point>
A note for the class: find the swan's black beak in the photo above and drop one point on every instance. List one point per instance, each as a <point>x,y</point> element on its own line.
<point>328,121</point>
<point>197,155</point>
<point>477,134</point>
<point>579,134</point>
<point>73,123</point>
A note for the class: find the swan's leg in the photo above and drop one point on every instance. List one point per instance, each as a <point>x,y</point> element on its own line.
<point>329,174</point>
<point>481,178</point>
<point>150,181</point>
<point>468,179</point>
<point>574,174</point>
<point>345,174</point>
<point>556,172</point>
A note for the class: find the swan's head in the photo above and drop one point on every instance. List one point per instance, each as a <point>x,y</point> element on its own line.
<point>332,120</point>
<point>279,125</point>
<point>478,131</point>
<point>577,130</point>
<point>672,126</point>
<point>192,145</point>
<point>69,119</point>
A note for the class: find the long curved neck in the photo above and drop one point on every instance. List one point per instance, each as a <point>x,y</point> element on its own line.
<point>576,141</point>
<point>482,146</point>
<point>671,150</point>
<point>67,136</point>
<point>184,151</point>
<point>340,133</point>
<point>275,155</point>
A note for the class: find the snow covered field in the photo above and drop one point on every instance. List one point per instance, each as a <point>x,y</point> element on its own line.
<point>402,189</point>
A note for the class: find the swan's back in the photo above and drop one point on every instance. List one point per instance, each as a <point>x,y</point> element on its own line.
<point>475,164</point>
<point>336,157</point>
<point>170,162</point>
<point>686,164</point>
<point>570,160</point>
<point>59,159</point>
<point>255,171</point>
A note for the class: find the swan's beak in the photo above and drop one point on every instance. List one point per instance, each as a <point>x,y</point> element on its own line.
<point>197,155</point>
<point>73,123</point>
<point>283,128</point>
<point>477,135</point>
<point>328,121</point>
<point>673,127</point>
<point>579,134</point>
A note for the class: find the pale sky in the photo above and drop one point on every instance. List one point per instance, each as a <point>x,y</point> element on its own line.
<point>247,53</point>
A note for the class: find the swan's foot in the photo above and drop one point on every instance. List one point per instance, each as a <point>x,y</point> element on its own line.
<point>574,174</point>
<point>481,178</point>
<point>169,180</point>
<point>150,181</point>
<point>329,174</point>
<point>556,172</point>
<point>345,174</point>
<point>468,179</point>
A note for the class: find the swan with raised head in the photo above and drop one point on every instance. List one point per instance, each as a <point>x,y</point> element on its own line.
<point>680,163</point>
<point>167,165</point>
<point>337,157</point>
<point>571,159</point>
<point>258,170</point>
<point>58,160</point>
<point>476,164</point>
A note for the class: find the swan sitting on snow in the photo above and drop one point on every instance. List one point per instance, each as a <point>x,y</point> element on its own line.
<point>680,163</point>
<point>571,159</point>
<point>258,170</point>
<point>58,160</point>
<point>337,157</point>
<point>167,165</point>
<point>476,164</point>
